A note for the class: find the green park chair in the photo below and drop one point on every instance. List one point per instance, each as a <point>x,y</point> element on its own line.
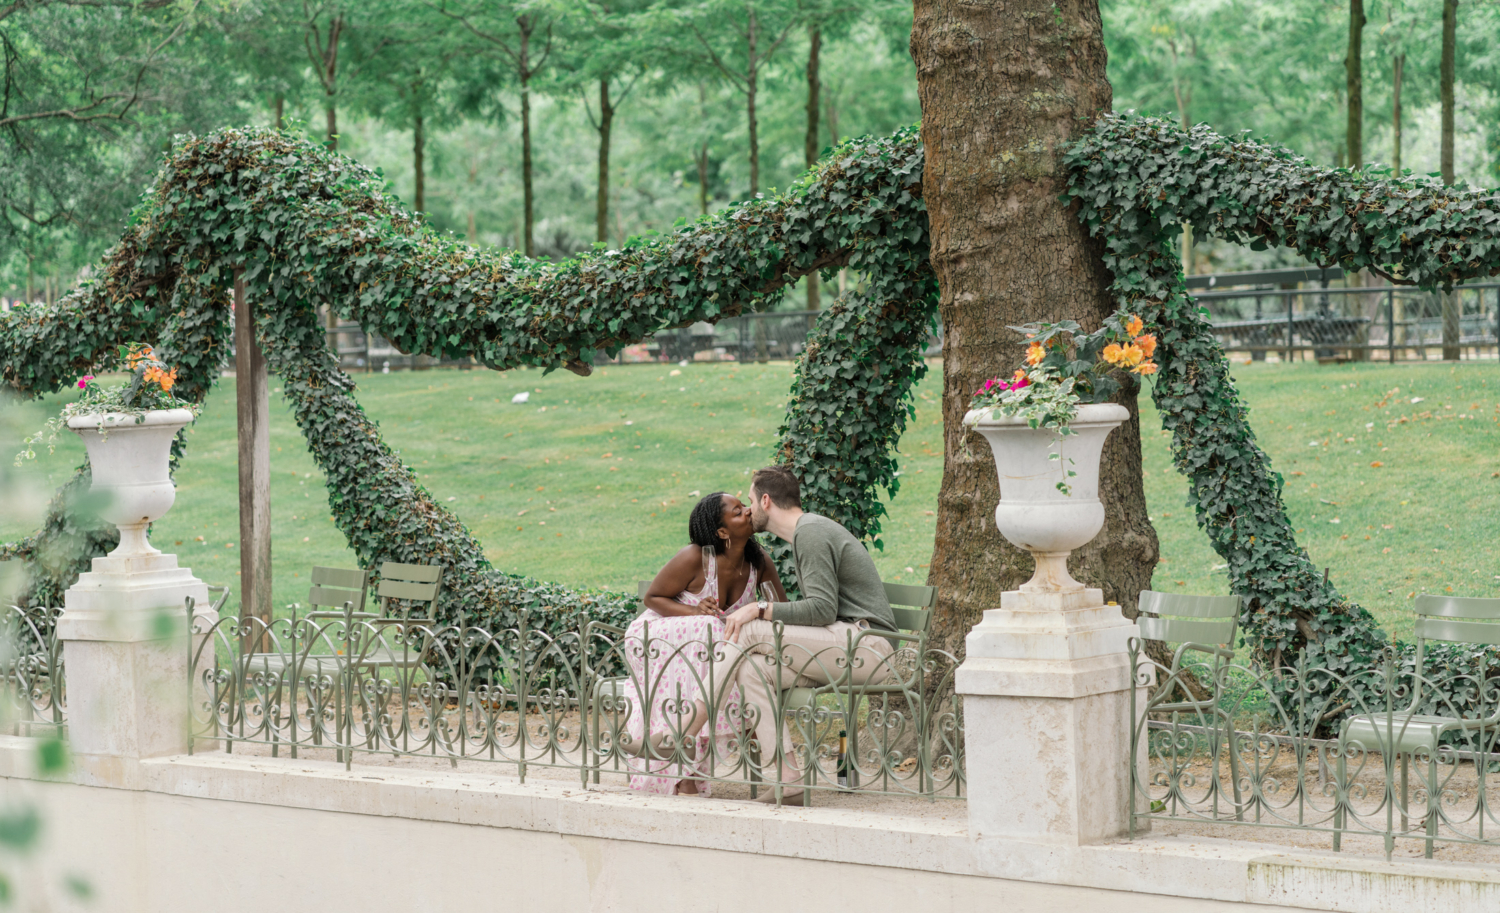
<point>1203,627</point>
<point>913,607</point>
<point>1405,732</point>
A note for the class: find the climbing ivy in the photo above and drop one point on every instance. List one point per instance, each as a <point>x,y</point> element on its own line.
<point>1136,180</point>
<point>303,228</point>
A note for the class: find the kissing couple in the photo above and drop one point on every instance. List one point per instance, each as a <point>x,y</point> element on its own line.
<point>705,642</point>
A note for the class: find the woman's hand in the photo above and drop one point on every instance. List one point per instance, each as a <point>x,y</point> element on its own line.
<point>709,605</point>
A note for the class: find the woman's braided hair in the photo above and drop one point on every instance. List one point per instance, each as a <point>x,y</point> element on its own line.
<point>704,523</point>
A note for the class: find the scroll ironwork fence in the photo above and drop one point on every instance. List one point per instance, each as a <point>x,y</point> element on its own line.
<point>1388,753</point>
<point>34,699</point>
<point>593,700</point>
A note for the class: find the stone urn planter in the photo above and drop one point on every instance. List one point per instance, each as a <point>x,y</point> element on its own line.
<point>129,456</point>
<point>1033,513</point>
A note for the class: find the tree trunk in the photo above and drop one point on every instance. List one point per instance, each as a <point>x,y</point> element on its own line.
<point>332,141</point>
<point>418,149</point>
<point>473,192</point>
<point>278,108</point>
<point>1003,87</point>
<point>750,109</point>
<point>1399,65</point>
<point>527,215</point>
<point>1450,28</point>
<point>810,152</point>
<point>606,121</point>
<point>1355,84</point>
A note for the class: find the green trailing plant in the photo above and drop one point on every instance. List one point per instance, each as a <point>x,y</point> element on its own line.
<point>304,228</point>
<point>1135,181</point>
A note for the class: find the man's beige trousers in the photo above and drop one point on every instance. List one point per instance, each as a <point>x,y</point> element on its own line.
<point>810,656</point>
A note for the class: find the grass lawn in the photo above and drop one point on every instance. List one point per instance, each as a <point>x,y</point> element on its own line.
<point>590,482</point>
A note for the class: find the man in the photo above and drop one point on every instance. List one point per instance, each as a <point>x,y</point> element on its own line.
<point>829,635</point>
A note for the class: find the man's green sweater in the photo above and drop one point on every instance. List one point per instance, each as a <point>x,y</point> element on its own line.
<point>837,578</point>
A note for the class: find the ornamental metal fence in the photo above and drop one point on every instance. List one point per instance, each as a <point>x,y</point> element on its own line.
<point>1387,753</point>
<point>34,699</point>
<point>876,714</point>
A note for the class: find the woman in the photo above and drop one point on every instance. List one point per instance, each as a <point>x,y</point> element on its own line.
<point>668,648</point>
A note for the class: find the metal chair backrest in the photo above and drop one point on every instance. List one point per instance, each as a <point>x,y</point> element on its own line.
<point>1457,620</point>
<point>1184,618</point>
<point>912,606</point>
<point>407,584</point>
<point>332,587</point>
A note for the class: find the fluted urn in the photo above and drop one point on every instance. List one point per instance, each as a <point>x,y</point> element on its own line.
<point>1042,508</point>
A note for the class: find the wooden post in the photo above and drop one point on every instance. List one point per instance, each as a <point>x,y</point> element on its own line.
<point>252,396</point>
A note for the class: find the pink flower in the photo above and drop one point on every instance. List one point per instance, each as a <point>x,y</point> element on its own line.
<point>84,380</point>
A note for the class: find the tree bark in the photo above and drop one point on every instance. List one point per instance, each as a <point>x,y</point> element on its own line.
<point>1003,87</point>
<point>606,121</point>
<point>527,219</point>
<point>1451,350</point>
<point>810,150</point>
<point>278,108</point>
<point>1355,85</point>
<point>1399,64</point>
<point>418,151</point>
<point>750,86</point>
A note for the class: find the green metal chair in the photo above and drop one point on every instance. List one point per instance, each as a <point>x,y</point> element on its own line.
<point>913,607</point>
<point>331,587</point>
<point>1448,619</point>
<point>1202,625</point>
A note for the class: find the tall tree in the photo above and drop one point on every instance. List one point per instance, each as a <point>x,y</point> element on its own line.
<point>810,147</point>
<point>603,57</point>
<point>1451,351</point>
<point>518,35</point>
<point>1004,87</point>
<point>736,39</point>
<point>1354,85</point>
<point>323,30</point>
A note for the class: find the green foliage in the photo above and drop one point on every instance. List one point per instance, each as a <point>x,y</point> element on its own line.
<point>307,227</point>
<point>1135,180</point>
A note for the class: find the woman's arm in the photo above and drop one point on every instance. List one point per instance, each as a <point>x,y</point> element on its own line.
<point>676,576</point>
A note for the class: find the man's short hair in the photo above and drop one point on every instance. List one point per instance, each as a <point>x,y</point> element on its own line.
<point>780,484</point>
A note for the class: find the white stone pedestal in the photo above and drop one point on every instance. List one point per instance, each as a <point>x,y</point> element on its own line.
<point>1046,698</point>
<point>124,631</point>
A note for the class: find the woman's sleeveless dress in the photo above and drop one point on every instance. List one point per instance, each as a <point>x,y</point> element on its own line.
<point>675,666</point>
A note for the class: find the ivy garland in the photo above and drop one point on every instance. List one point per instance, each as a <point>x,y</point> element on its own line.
<point>307,228</point>
<point>1136,179</point>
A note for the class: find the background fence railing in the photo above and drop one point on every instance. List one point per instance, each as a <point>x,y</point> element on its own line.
<point>588,701</point>
<point>1387,323</point>
<point>1345,756</point>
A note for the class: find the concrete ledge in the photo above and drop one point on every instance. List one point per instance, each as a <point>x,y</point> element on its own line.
<point>293,810</point>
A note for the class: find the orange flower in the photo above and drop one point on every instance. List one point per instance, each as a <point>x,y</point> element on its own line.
<point>1147,344</point>
<point>1134,325</point>
<point>1113,353</point>
<point>1035,353</point>
<point>1020,375</point>
<point>1145,368</point>
<point>1132,355</point>
<point>167,380</point>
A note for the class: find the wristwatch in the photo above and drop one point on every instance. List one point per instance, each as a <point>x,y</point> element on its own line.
<point>762,607</point>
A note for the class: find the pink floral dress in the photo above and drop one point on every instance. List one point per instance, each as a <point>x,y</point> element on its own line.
<point>673,666</point>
